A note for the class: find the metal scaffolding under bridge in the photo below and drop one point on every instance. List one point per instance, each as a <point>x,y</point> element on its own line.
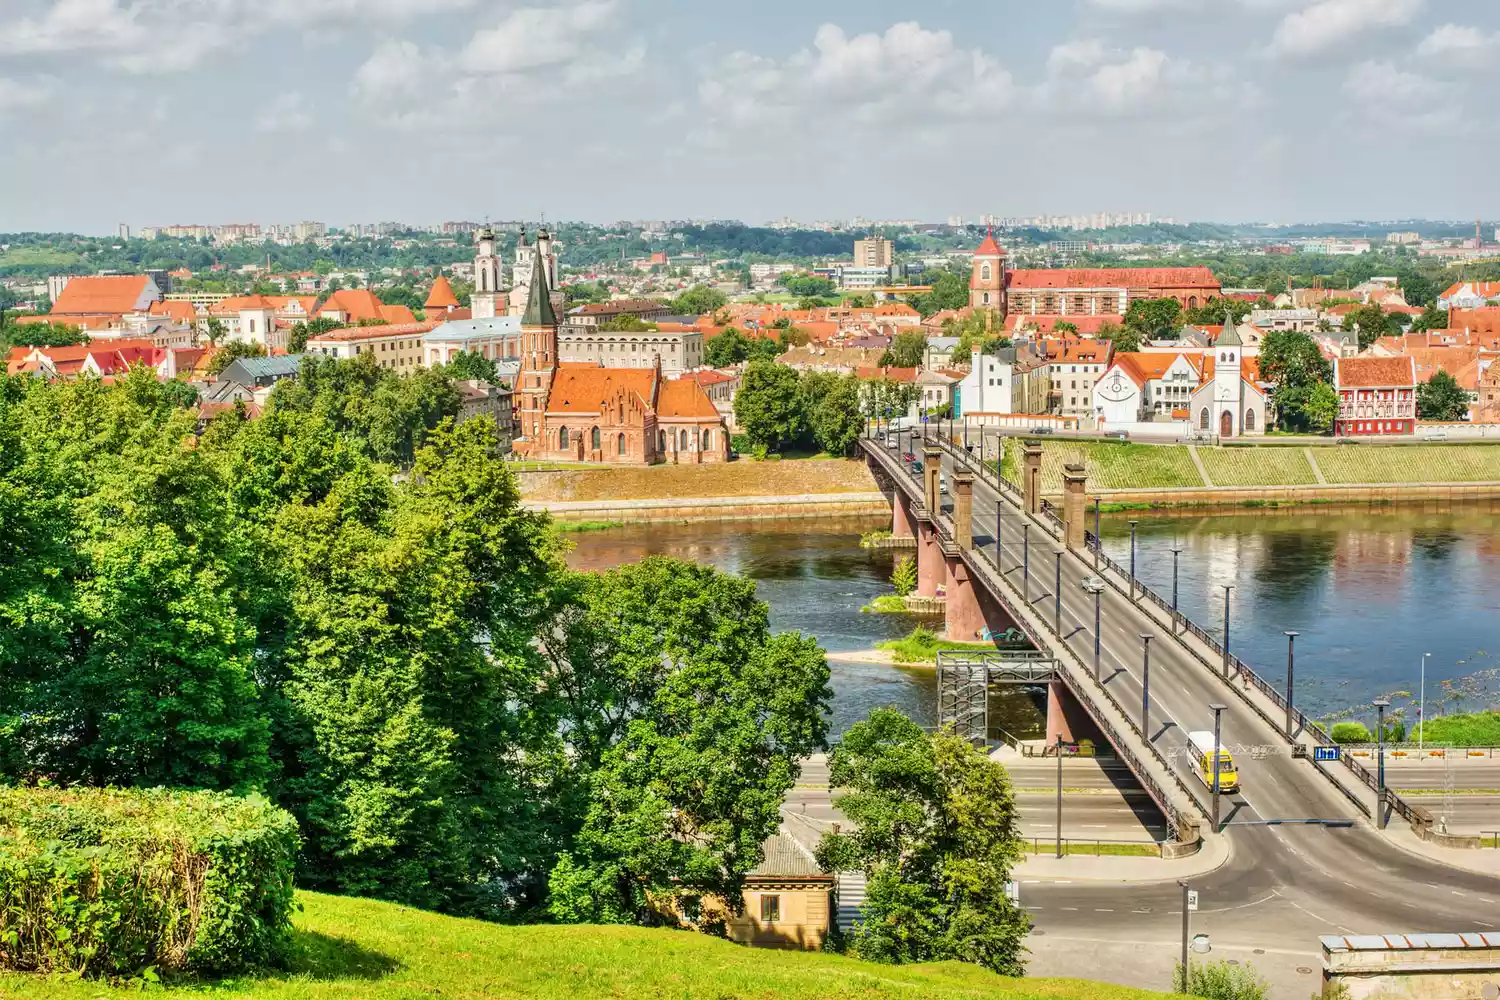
<point>964,679</point>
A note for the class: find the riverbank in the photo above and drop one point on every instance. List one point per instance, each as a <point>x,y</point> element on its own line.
<point>740,490</point>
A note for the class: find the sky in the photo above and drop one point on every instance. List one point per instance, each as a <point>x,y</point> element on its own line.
<point>152,112</point>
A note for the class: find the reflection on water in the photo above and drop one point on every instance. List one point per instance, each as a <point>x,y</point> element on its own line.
<point>1370,590</point>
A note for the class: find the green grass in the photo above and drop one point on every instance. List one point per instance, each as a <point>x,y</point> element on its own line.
<point>1110,465</point>
<point>1482,729</point>
<point>1043,847</point>
<point>922,646</point>
<point>886,604</point>
<point>31,257</point>
<point>584,527</point>
<point>1257,466</point>
<point>351,949</point>
<point>1475,463</point>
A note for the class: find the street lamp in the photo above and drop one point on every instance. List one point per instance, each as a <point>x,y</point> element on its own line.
<point>1026,561</point>
<point>1095,586</point>
<point>1422,705</point>
<point>1291,639</point>
<point>1218,711</point>
<point>1227,588</point>
<point>1146,684</point>
<point>1057,591</point>
<point>1185,976</point>
<point>1381,704</point>
<point>1098,539</point>
<point>1132,558</point>
<point>1176,551</point>
<point>1059,794</point>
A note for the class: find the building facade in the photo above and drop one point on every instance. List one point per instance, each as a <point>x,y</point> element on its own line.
<point>1377,396</point>
<point>400,348</point>
<point>988,276</point>
<point>1230,401</point>
<point>1073,370</point>
<point>481,399</point>
<point>677,351</point>
<point>874,252</point>
<point>1100,291</point>
<point>497,338</point>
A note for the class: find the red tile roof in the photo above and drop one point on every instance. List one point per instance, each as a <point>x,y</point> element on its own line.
<point>110,294</point>
<point>585,389</point>
<point>357,333</point>
<point>441,296</point>
<point>1048,323</point>
<point>680,399</point>
<point>1372,372</point>
<point>1116,277</point>
<point>989,248</point>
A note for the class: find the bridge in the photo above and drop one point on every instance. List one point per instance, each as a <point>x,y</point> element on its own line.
<point>1143,674</point>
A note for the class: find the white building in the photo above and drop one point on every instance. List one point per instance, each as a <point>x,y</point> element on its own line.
<point>1230,401</point>
<point>493,337</point>
<point>987,388</point>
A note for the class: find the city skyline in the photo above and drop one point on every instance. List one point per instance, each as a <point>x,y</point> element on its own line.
<point>610,109</point>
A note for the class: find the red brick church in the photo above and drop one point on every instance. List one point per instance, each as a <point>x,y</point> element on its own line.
<point>582,412</point>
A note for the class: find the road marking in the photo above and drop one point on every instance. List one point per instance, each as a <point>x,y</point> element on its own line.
<point>1456,892</point>
<point>1310,913</point>
<point>1097,910</point>
<point>1070,909</point>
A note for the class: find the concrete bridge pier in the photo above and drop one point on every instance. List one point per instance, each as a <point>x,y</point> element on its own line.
<point>1058,703</point>
<point>963,612</point>
<point>932,573</point>
<point>903,523</point>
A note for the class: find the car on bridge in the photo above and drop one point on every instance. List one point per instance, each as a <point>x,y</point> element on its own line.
<point>1201,746</point>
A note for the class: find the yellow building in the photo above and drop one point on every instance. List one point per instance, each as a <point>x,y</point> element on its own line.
<point>787,899</point>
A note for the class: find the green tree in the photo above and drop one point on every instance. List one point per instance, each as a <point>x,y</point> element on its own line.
<point>949,291</point>
<point>808,285</point>
<point>768,407</point>
<point>41,335</point>
<point>626,323</point>
<point>904,576</point>
<point>1442,398</point>
<point>1293,364</point>
<point>935,833</point>
<point>1432,318</point>
<point>833,411</point>
<point>763,349</point>
<point>1322,407</point>
<point>470,365</point>
<point>1154,319</point>
<point>885,397</point>
<point>232,352</point>
<point>727,348</point>
<point>982,330</point>
<point>1372,322</point>
<point>688,720</point>
<point>1124,338</point>
<point>908,350</point>
<point>304,331</point>
<point>793,336</point>
<point>1212,313</point>
<point>700,300</point>
<point>214,330</point>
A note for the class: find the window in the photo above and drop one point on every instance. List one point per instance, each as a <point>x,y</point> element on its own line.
<point>1203,420</point>
<point>708,440</point>
<point>661,441</point>
<point>1249,420</point>
<point>594,439</point>
<point>770,909</point>
<point>620,446</point>
<point>562,438</point>
<point>984,275</point>
<point>682,440</point>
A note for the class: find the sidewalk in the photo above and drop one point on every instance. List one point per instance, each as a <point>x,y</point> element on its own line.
<point>1485,861</point>
<point>1213,855</point>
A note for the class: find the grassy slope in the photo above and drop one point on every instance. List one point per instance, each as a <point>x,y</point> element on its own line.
<point>377,951</point>
<point>1257,466</point>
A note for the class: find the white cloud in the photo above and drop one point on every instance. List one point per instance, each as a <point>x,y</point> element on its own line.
<point>72,26</point>
<point>907,72</point>
<point>288,112</point>
<point>1380,86</point>
<point>536,38</point>
<point>1328,23</point>
<point>1135,81</point>
<point>394,72</point>
<point>1089,77</point>
<point>1146,6</point>
<point>18,96</point>
<point>1460,46</point>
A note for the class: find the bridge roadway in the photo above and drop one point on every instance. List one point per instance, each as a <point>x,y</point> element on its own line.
<point>1283,884</point>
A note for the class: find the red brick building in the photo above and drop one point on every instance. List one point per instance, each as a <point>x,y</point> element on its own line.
<point>1377,396</point>
<point>1106,291</point>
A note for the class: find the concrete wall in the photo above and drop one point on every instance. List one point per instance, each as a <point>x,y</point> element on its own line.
<point>718,508</point>
<point>1412,967</point>
<point>1245,495</point>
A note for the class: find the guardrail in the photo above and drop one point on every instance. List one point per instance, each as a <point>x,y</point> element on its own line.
<point>1042,844</point>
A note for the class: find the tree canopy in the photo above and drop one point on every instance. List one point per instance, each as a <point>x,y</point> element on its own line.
<point>908,349</point>
<point>1154,319</point>
<point>700,300</point>
<point>733,346</point>
<point>1442,398</point>
<point>231,352</point>
<point>1372,322</point>
<point>1292,362</point>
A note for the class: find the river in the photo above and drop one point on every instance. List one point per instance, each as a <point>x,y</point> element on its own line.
<point>1369,589</point>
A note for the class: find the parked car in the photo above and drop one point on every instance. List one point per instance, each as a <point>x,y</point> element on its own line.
<point>1118,435</point>
<point>1042,429</point>
<point>942,482</point>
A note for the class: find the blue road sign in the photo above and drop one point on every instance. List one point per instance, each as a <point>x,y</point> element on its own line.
<point>1326,753</point>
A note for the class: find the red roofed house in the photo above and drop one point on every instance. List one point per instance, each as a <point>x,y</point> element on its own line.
<point>621,416</point>
<point>114,295</point>
<point>356,305</point>
<point>1487,409</point>
<point>1137,386</point>
<point>441,303</point>
<point>1377,396</point>
<point>1469,295</point>
<point>1088,291</point>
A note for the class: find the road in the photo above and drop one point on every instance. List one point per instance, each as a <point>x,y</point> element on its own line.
<point>1473,807</point>
<point>1284,885</point>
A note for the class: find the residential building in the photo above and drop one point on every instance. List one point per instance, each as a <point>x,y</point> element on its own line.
<point>1377,396</point>
<point>677,351</point>
<point>84,299</point>
<point>874,252</point>
<point>495,337</point>
<point>1300,320</point>
<point>787,899</point>
<point>839,360</point>
<point>1140,387</point>
<point>400,347</point>
<point>1469,295</point>
<point>939,352</point>
<point>1067,291</point>
<point>600,313</point>
<point>1074,365</point>
<point>482,399</point>
<point>988,386</point>
<point>1230,400</point>
<point>863,277</point>
<point>1487,409</point>
<point>934,392</point>
<point>360,305</point>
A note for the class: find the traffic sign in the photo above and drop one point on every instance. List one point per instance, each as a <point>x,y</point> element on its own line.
<point>1327,753</point>
<point>1192,900</point>
<point>1013,891</point>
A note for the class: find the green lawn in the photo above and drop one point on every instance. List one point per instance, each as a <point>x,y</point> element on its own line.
<point>1475,463</point>
<point>922,646</point>
<point>1114,466</point>
<point>1482,729</point>
<point>360,950</point>
<point>1257,466</point>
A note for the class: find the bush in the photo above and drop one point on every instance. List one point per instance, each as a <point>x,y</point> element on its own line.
<point>1481,729</point>
<point>1351,732</point>
<point>1220,981</point>
<point>108,882</point>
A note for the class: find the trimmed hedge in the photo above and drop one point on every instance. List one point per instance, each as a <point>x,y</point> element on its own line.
<point>109,882</point>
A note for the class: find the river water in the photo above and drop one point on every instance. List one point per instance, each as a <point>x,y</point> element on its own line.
<point>1369,589</point>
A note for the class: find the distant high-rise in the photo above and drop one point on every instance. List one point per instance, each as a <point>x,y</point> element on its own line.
<point>874,252</point>
<point>124,231</point>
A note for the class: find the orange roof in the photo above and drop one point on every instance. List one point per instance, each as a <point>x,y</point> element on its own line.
<point>1249,368</point>
<point>587,389</point>
<point>176,310</point>
<point>683,398</point>
<point>110,294</point>
<point>356,304</point>
<point>353,333</point>
<point>102,321</point>
<point>441,296</point>
<point>710,376</point>
<point>1142,367</point>
<point>1460,362</point>
<point>1372,372</point>
<point>1081,351</point>
<point>1115,277</point>
<point>894,374</point>
<point>989,248</point>
<point>1048,323</point>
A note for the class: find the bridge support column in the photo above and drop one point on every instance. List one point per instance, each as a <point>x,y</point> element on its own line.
<point>931,573</point>
<point>903,525</point>
<point>1075,504</point>
<point>932,469</point>
<point>963,614</point>
<point>1031,475</point>
<point>963,510</point>
<point>1057,713</point>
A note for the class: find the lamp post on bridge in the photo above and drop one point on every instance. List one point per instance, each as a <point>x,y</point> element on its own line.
<point>1227,588</point>
<point>1176,551</point>
<point>1218,711</point>
<point>1146,638</point>
<point>1057,551</point>
<point>1132,558</point>
<point>1422,705</point>
<point>1381,704</point>
<point>1095,586</point>
<point>1098,539</point>
<point>1291,639</point>
<point>1026,561</point>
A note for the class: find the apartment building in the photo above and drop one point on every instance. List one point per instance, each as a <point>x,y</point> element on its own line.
<point>399,347</point>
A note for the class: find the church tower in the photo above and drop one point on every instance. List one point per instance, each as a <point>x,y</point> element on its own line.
<point>987,282</point>
<point>487,297</point>
<point>538,358</point>
<point>1229,381</point>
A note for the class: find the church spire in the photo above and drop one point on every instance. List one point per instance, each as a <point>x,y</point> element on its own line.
<point>539,310</point>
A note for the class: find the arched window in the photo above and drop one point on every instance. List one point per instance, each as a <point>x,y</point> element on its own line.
<point>1203,420</point>
<point>594,439</point>
<point>620,445</point>
<point>562,438</point>
<point>661,441</point>
<point>1249,421</point>
<point>985,272</point>
<point>682,440</point>
<point>986,298</point>
<point>708,440</point>
<point>1192,302</point>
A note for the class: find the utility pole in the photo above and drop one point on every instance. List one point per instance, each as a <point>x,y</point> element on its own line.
<point>1026,560</point>
<point>1218,711</point>
<point>1132,558</point>
<point>1185,891</point>
<point>1291,639</point>
<point>1057,592</point>
<point>1146,685</point>
<point>1059,794</point>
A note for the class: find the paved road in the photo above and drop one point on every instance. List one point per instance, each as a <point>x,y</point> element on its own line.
<point>1284,885</point>
<point>1099,802</point>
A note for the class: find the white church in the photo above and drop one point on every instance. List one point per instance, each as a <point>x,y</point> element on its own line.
<point>1217,391</point>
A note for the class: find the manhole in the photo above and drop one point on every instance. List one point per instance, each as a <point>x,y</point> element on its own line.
<point>1304,970</point>
<point>1232,961</point>
<point>1258,951</point>
<point>1490,992</point>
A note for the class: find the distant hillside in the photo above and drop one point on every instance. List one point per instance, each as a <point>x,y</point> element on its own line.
<point>379,951</point>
